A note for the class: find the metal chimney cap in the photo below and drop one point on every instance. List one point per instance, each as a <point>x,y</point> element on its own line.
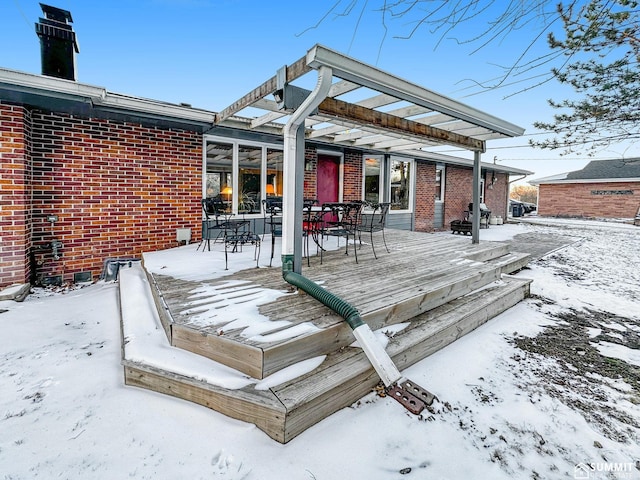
<point>56,14</point>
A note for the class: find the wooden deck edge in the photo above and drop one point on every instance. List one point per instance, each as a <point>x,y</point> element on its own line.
<point>339,335</point>
<point>487,251</point>
<point>163,309</point>
<point>263,410</point>
<point>511,262</point>
<point>334,391</point>
<point>242,357</point>
<point>268,410</point>
<point>514,262</point>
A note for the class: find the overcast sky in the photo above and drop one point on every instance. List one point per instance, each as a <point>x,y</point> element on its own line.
<point>209,53</point>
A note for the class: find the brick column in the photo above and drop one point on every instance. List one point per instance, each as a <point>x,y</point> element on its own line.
<point>425,196</point>
<point>352,178</point>
<point>15,194</point>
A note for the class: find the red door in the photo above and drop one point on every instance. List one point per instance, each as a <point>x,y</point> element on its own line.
<point>328,180</point>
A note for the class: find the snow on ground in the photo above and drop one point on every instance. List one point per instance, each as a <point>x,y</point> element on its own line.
<point>549,389</point>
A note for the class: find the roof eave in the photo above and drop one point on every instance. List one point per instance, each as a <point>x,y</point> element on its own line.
<point>99,97</point>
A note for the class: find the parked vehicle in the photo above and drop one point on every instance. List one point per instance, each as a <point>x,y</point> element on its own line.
<point>518,208</point>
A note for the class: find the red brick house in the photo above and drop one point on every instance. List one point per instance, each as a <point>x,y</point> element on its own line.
<point>602,189</point>
<point>88,175</point>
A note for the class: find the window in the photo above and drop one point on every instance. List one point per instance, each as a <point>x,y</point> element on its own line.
<point>373,179</point>
<point>249,184</point>
<point>242,174</point>
<point>219,171</point>
<point>439,184</point>
<point>275,160</point>
<point>482,190</point>
<point>400,177</point>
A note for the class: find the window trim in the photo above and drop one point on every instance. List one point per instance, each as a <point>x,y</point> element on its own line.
<point>412,183</point>
<point>381,176</point>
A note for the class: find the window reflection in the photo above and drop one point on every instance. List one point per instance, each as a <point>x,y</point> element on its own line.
<point>242,175</point>
<point>249,178</point>
<point>219,174</point>
<point>400,182</point>
<point>372,178</point>
<point>439,184</point>
<point>275,159</point>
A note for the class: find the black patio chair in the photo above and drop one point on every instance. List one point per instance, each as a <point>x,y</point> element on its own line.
<point>272,214</point>
<point>272,210</point>
<point>372,222</point>
<point>216,220</point>
<point>312,226</point>
<point>343,221</point>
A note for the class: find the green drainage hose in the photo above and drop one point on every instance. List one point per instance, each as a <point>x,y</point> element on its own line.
<point>376,354</point>
<point>338,305</point>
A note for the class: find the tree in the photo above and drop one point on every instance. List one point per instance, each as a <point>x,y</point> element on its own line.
<point>602,45</point>
<point>524,193</point>
<point>595,51</point>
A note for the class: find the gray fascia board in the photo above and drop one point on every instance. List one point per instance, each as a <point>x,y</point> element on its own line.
<point>368,76</point>
<point>542,181</point>
<point>70,90</point>
<point>458,161</point>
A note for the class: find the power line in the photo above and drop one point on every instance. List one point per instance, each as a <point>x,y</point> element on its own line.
<point>24,17</point>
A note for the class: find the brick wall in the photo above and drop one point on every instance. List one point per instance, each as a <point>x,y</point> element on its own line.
<point>118,190</point>
<point>577,200</point>
<point>458,193</point>
<point>352,179</point>
<point>496,196</point>
<point>425,196</point>
<point>15,185</point>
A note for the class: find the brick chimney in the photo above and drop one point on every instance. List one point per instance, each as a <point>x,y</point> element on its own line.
<point>58,43</point>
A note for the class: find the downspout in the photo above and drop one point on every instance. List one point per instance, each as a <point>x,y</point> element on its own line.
<point>292,213</point>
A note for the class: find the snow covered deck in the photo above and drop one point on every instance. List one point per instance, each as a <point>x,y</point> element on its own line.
<point>280,359</point>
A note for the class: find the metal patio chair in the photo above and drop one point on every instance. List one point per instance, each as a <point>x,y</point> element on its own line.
<point>372,222</point>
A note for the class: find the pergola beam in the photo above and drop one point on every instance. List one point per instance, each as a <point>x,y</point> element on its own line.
<point>366,116</point>
<point>295,70</point>
<point>275,113</point>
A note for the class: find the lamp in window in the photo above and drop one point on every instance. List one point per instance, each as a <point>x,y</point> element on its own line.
<point>227,191</point>
<point>270,189</point>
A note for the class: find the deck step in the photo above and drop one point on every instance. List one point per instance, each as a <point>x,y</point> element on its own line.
<point>411,296</point>
<point>511,262</point>
<point>288,409</point>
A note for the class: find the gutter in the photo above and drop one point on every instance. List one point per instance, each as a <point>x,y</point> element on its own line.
<point>99,97</point>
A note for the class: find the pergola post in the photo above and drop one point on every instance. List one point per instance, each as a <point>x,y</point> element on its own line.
<point>475,225</point>
<point>293,173</point>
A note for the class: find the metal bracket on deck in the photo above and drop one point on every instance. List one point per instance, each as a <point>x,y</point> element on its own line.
<point>413,397</point>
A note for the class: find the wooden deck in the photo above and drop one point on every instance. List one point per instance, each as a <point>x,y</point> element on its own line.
<point>444,285</point>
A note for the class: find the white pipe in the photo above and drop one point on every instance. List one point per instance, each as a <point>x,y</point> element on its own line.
<point>289,214</point>
<point>377,355</point>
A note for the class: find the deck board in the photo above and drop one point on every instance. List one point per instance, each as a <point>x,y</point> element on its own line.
<point>422,272</point>
<point>443,285</point>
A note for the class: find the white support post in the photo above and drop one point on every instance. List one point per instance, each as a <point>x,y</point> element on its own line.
<point>475,226</point>
<point>293,173</point>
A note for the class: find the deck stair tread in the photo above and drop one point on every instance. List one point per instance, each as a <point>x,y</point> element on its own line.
<point>286,410</point>
<point>420,281</point>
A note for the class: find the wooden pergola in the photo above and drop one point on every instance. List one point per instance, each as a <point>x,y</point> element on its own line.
<point>390,114</point>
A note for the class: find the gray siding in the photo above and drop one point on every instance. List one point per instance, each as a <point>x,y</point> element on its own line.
<point>438,215</point>
<point>401,221</point>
